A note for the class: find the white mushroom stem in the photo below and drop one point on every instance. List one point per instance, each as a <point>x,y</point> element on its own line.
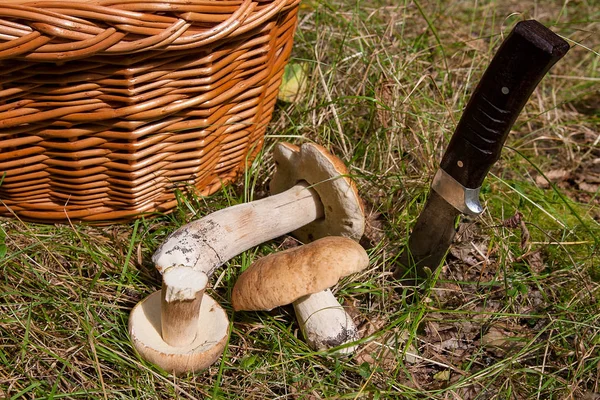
<point>181,298</point>
<point>209,242</point>
<point>314,198</point>
<point>324,322</point>
<point>146,337</point>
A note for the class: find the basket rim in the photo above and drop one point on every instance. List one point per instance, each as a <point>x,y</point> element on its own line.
<point>57,31</point>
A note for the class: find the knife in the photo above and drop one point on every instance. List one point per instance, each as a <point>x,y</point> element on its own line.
<point>520,63</point>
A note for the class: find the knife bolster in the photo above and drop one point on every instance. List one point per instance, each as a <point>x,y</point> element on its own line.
<point>465,200</point>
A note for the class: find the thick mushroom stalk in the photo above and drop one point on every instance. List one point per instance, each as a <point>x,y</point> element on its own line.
<point>179,328</point>
<point>302,276</point>
<point>181,297</point>
<point>324,322</point>
<point>209,242</point>
<point>313,198</point>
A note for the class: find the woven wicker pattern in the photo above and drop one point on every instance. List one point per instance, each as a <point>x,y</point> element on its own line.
<point>107,107</point>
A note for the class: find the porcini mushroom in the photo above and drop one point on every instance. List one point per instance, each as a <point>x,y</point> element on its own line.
<point>310,187</point>
<point>313,197</point>
<point>302,276</point>
<point>179,328</point>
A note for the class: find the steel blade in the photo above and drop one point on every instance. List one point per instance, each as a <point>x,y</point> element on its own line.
<point>431,237</point>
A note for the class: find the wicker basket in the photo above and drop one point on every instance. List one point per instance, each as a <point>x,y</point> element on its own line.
<point>108,107</point>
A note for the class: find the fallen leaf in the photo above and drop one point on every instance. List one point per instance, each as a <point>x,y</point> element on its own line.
<point>386,350</point>
<point>449,338</point>
<point>535,261</point>
<point>464,253</point>
<point>591,174</point>
<point>471,392</point>
<point>500,340</point>
<point>467,231</point>
<point>552,176</point>
<point>293,82</point>
<point>517,221</point>
<point>524,235</point>
<point>495,337</point>
<point>469,252</point>
<point>590,396</point>
<point>372,325</point>
<point>588,187</point>
<point>514,221</point>
<point>442,376</point>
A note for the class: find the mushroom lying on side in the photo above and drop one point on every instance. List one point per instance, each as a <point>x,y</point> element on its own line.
<point>313,197</point>
<point>302,276</point>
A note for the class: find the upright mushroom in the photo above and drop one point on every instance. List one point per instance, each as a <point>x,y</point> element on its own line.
<point>302,276</point>
<point>179,328</point>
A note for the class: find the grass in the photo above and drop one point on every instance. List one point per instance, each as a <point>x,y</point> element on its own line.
<point>513,313</point>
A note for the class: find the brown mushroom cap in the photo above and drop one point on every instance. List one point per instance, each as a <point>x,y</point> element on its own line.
<point>282,278</point>
<point>207,347</point>
<point>328,176</point>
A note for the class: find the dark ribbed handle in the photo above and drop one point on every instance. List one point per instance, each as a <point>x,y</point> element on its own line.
<point>520,63</point>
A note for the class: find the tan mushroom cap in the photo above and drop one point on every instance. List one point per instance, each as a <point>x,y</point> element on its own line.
<point>145,333</point>
<point>328,176</point>
<point>282,278</point>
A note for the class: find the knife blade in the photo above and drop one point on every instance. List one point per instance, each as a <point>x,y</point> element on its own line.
<point>520,63</point>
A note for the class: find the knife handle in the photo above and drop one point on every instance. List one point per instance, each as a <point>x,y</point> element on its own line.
<point>518,66</point>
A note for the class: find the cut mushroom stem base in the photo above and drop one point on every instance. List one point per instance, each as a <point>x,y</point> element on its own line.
<point>181,297</point>
<point>179,328</point>
<point>207,347</point>
<point>324,322</point>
